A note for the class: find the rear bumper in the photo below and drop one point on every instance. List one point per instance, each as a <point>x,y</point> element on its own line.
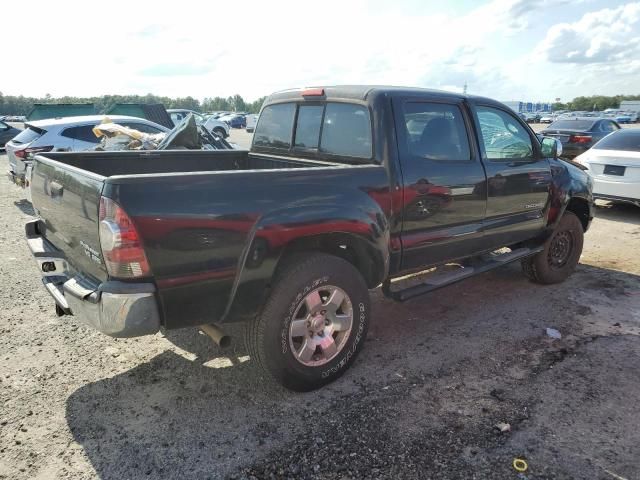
<point>117,309</point>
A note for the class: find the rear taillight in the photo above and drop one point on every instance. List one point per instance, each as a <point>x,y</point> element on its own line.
<point>580,139</point>
<point>27,153</point>
<point>121,245</point>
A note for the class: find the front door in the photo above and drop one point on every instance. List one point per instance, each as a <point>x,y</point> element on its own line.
<point>518,177</point>
<point>444,193</point>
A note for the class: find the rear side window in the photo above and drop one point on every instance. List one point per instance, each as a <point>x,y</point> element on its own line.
<point>608,126</point>
<point>628,140</point>
<point>28,135</point>
<point>346,130</point>
<point>275,126</point>
<point>436,132</point>
<point>83,133</point>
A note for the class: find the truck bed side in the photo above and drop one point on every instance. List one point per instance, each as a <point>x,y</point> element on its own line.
<point>211,238</point>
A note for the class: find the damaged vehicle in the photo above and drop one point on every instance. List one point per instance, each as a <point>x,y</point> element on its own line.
<point>70,134</point>
<point>99,132</point>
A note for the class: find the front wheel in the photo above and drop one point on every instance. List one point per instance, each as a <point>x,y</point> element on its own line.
<point>313,324</point>
<point>220,132</point>
<point>561,253</point>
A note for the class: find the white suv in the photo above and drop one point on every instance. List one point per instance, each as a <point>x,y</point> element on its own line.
<point>63,135</point>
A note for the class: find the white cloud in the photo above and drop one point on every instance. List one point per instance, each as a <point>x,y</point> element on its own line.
<point>259,46</point>
<point>608,35</point>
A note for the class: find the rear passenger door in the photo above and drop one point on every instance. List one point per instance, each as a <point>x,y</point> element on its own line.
<point>444,184</point>
<point>518,177</point>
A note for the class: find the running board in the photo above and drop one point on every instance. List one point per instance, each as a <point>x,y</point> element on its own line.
<point>438,280</point>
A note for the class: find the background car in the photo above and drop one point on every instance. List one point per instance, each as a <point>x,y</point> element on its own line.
<point>251,122</point>
<point>211,124</point>
<point>7,132</point>
<point>235,120</point>
<point>579,134</point>
<point>547,118</point>
<point>614,165</point>
<point>63,135</point>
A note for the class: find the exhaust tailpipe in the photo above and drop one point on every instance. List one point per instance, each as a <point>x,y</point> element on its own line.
<point>217,335</point>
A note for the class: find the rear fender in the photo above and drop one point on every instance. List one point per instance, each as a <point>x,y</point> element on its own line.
<point>306,228</point>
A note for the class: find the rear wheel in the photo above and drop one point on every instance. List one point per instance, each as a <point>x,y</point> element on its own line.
<point>561,253</point>
<point>220,132</point>
<point>313,324</point>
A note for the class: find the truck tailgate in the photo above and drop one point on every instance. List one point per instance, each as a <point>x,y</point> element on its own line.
<point>67,200</point>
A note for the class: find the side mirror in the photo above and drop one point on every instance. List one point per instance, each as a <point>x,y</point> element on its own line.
<point>551,147</point>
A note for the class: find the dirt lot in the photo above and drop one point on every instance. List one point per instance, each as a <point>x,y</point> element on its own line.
<point>421,402</point>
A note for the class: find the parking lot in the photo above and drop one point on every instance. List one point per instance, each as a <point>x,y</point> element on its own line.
<point>422,401</point>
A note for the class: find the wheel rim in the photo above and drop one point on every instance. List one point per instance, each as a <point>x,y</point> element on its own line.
<point>560,249</point>
<point>321,326</point>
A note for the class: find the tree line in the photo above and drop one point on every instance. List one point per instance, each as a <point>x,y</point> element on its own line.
<point>21,105</point>
<point>594,102</point>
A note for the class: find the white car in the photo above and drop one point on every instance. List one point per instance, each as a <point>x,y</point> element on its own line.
<point>63,135</point>
<point>547,118</point>
<point>211,124</point>
<point>614,165</point>
<point>252,121</point>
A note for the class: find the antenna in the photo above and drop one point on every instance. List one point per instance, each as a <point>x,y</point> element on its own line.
<point>464,90</point>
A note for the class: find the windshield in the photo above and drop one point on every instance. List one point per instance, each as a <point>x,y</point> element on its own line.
<point>628,140</point>
<point>572,124</point>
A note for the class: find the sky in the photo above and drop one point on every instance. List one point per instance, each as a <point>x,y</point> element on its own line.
<point>532,50</point>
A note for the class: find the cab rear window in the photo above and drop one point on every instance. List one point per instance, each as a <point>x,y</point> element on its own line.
<point>275,126</point>
<point>316,129</point>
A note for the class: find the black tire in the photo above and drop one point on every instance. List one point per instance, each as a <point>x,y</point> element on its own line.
<point>268,336</point>
<point>561,253</point>
<point>220,132</point>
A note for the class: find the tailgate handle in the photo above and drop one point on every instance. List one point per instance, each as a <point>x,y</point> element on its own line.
<point>56,189</point>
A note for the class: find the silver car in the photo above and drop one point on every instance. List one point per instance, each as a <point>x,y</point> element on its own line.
<point>63,135</point>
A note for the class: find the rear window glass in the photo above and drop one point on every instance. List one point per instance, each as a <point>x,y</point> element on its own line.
<point>572,124</point>
<point>83,133</point>
<point>308,127</point>
<point>28,135</point>
<point>628,140</point>
<point>346,130</point>
<point>275,126</point>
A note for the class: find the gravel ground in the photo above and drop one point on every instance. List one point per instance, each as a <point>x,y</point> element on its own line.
<point>421,402</point>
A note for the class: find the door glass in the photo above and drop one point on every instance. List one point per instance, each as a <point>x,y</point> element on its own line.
<point>503,136</point>
<point>436,131</point>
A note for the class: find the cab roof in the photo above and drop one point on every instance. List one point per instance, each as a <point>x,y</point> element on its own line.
<point>368,92</point>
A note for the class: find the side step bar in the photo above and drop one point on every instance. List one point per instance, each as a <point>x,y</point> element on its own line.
<point>439,280</point>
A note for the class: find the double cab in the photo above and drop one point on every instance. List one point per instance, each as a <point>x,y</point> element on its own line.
<point>345,189</point>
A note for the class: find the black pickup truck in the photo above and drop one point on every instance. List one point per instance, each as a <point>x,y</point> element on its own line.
<point>344,189</point>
